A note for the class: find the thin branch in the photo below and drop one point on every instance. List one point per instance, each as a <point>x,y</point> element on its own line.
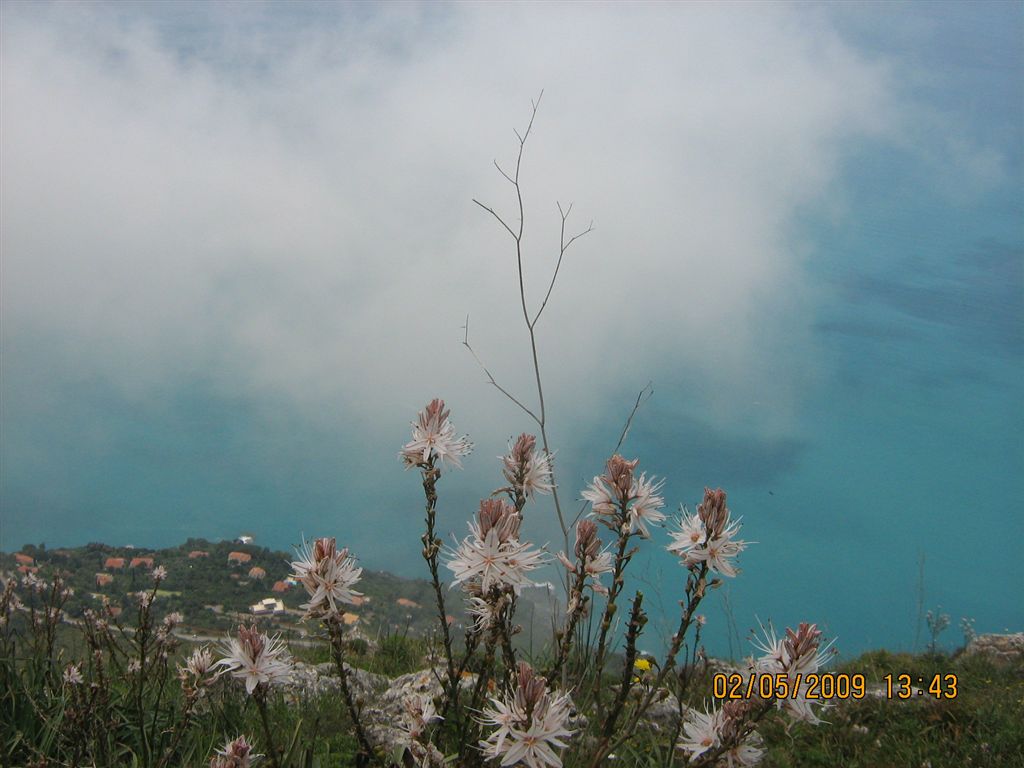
<point>641,398</point>
<point>587,231</point>
<point>541,418</point>
<point>502,172</point>
<point>542,421</point>
<point>564,246</point>
<point>490,376</point>
<point>500,220</point>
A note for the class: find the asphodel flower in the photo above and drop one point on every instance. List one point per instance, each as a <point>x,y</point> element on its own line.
<point>328,574</point>
<point>527,470</point>
<point>434,435</point>
<point>623,501</point>
<point>708,536</point>
<point>256,658</point>
<point>493,555</point>
<point>531,726</point>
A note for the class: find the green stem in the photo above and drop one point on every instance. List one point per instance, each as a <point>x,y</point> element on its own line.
<point>431,548</point>
<point>260,696</point>
<point>336,646</point>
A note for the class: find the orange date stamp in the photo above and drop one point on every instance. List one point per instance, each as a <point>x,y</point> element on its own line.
<point>829,685</point>
<point>824,685</point>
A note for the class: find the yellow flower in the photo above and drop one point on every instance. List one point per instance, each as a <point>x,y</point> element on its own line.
<point>640,667</point>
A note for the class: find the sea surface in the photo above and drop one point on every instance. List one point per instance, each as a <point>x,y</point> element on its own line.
<point>902,492</point>
<point>900,489</point>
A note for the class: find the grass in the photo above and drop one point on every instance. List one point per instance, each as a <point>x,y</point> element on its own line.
<point>983,726</point>
<point>395,654</point>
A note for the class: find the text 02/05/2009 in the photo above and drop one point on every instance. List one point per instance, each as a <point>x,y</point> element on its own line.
<point>829,685</point>
<point>781,686</point>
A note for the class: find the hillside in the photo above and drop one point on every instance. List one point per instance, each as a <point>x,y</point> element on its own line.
<point>215,584</point>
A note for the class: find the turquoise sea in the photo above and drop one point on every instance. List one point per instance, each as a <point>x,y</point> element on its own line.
<point>907,456</point>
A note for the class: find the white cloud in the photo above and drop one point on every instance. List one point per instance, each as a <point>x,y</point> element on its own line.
<point>289,212</point>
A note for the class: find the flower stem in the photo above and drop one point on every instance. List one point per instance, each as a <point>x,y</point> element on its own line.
<point>578,599</point>
<point>695,590</point>
<point>260,695</point>
<point>336,646</point>
<point>621,560</point>
<point>431,548</point>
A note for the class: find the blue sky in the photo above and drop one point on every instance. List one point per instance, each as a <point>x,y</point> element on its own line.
<point>239,248</point>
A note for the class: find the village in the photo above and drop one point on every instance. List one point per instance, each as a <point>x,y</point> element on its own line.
<point>215,586</point>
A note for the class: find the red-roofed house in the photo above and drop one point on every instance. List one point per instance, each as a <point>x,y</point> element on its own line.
<point>256,572</point>
<point>239,557</point>
<point>23,559</point>
<point>137,561</point>
<point>114,562</point>
<point>280,586</point>
<point>197,553</point>
<point>26,569</point>
<point>102,579</point>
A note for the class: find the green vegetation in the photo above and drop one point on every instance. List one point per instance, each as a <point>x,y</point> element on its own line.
<point>982,726</point>
<point>132,719</point>
<point>393,654</point>
<point>213,593</point>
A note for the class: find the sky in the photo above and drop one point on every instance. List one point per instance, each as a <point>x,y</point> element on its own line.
<point>240,248</point>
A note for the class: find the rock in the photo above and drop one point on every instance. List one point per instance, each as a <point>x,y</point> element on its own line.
<point>381,701</point>
<point>1002,649</point>
<point>314,679</point>
<point>387,719</point>
<point>726,667</point>
<point>425,682</point>
<point>663,714</point>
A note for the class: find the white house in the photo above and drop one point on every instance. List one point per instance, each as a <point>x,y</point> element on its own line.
<point>268,606</point>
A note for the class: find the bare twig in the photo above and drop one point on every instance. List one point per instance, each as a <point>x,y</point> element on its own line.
<point>490,377</point>
<point>561,253</point>
<point>643,396</point>
<point>495,215</point>
<point>502,172</point>
<point>540,415</point>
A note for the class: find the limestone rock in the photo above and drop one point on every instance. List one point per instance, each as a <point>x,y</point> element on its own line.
<point>311,680</point>
<point>663,714</point>
<point>386,717</point>
<point>1003,649</point>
